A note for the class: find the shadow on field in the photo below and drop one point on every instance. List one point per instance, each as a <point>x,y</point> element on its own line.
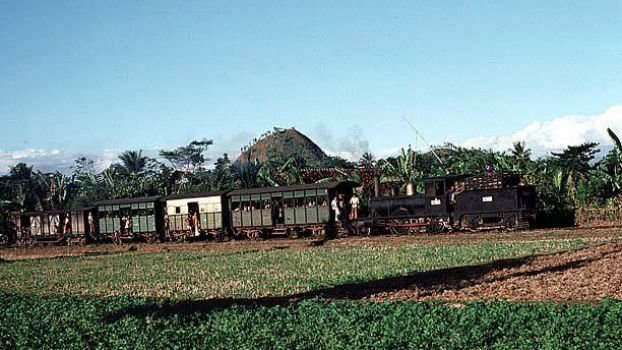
<point>428,283</point>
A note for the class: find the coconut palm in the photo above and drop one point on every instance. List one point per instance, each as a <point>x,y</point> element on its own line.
<point>367,161</point>
<point>133,162</point>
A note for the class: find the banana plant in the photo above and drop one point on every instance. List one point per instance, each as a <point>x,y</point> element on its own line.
<point>402,169</point>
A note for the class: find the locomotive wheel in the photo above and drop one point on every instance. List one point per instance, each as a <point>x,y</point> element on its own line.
<point>475,222</point>
<point>435,227</point>
<point>397,228</point>
<point>4,240</point>
<point>152,239</point>
<point>509,223</point>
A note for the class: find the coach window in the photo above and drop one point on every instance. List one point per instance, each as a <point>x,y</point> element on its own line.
<point>288,202</point>
<point>266,202</point>
<point>300,202</point>
<point>235,203</point>
<point>322,198</point>
<point>246,203</point>
<point>255,203</point>
<point>311,198</point>
<point>149,212</point>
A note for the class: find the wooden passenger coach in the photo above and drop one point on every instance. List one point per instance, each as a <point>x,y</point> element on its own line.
<point>144,213</point>
<point>291,210</point>
<point>210,208</point>
<point>53,226</point>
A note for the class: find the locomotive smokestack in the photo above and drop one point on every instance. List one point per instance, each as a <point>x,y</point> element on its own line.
<point>410,189</point>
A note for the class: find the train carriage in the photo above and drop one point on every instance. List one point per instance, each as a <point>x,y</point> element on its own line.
<point>210,208</point>
<point>145,214</point>
<point>72,226</point>
<point>290,210</point>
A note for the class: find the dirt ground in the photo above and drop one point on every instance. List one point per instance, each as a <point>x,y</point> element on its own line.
<point>588,274</point>
<point>583,275</point>
<point>595,235</point>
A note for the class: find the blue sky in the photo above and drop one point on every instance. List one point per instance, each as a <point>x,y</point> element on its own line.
<point>94,77</point>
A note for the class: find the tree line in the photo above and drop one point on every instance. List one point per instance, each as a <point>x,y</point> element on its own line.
<point>566,180</point>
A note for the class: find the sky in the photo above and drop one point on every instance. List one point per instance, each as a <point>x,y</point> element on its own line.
<point>96,78</point>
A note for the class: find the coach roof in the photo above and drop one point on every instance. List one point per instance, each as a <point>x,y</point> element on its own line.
<point>195,195</point>
<point>324,185</point>
<point>129,200</point>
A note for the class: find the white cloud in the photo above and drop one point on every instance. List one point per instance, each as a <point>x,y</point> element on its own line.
<point>554,135</point>
<point>50,160</point>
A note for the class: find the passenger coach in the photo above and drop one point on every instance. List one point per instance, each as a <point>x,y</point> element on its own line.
<point>143,213</point>
<point>209,207</point>
<point>75,226</point>
<point>291,210</point>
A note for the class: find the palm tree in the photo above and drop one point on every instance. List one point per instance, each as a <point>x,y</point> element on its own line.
<point>367,161</point>
<point>133,162</point>
<point>521,156</point>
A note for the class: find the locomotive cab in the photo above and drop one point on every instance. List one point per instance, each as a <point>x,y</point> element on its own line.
<point>436,191</point>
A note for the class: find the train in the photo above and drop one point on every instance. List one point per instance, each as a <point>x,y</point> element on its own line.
<point>447,203</point>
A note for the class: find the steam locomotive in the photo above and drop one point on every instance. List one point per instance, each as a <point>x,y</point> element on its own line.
<point>460,202</point>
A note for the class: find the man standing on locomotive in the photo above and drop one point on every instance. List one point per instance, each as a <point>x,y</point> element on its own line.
<point>450,198</point>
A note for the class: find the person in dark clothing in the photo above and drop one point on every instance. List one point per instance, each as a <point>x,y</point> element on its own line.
<point>450,199</point>
<point>275,212</point>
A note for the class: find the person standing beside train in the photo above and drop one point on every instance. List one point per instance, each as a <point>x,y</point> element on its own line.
<point>354,207</point>
<point>128,225</point>
<point>334,205</point>
<point>91,222</point>
<point>195,223</point>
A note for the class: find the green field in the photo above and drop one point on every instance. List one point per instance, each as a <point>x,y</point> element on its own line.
<point>134,323</point>
<point>216,299</point>
<point>247,274</point>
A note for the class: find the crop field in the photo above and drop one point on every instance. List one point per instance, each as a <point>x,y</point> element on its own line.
<point>536,289</point>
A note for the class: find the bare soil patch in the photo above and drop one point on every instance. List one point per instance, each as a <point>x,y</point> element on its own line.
<point>588,274</point>
<point>589,235</point>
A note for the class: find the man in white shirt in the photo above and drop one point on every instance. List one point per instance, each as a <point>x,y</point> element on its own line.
<point>335,207</point>
<point>354,207</point>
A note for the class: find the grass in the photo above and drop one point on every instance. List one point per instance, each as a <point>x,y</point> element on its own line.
<point>30,322</point>
<point>246,274</point>
<point>168,300</point>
